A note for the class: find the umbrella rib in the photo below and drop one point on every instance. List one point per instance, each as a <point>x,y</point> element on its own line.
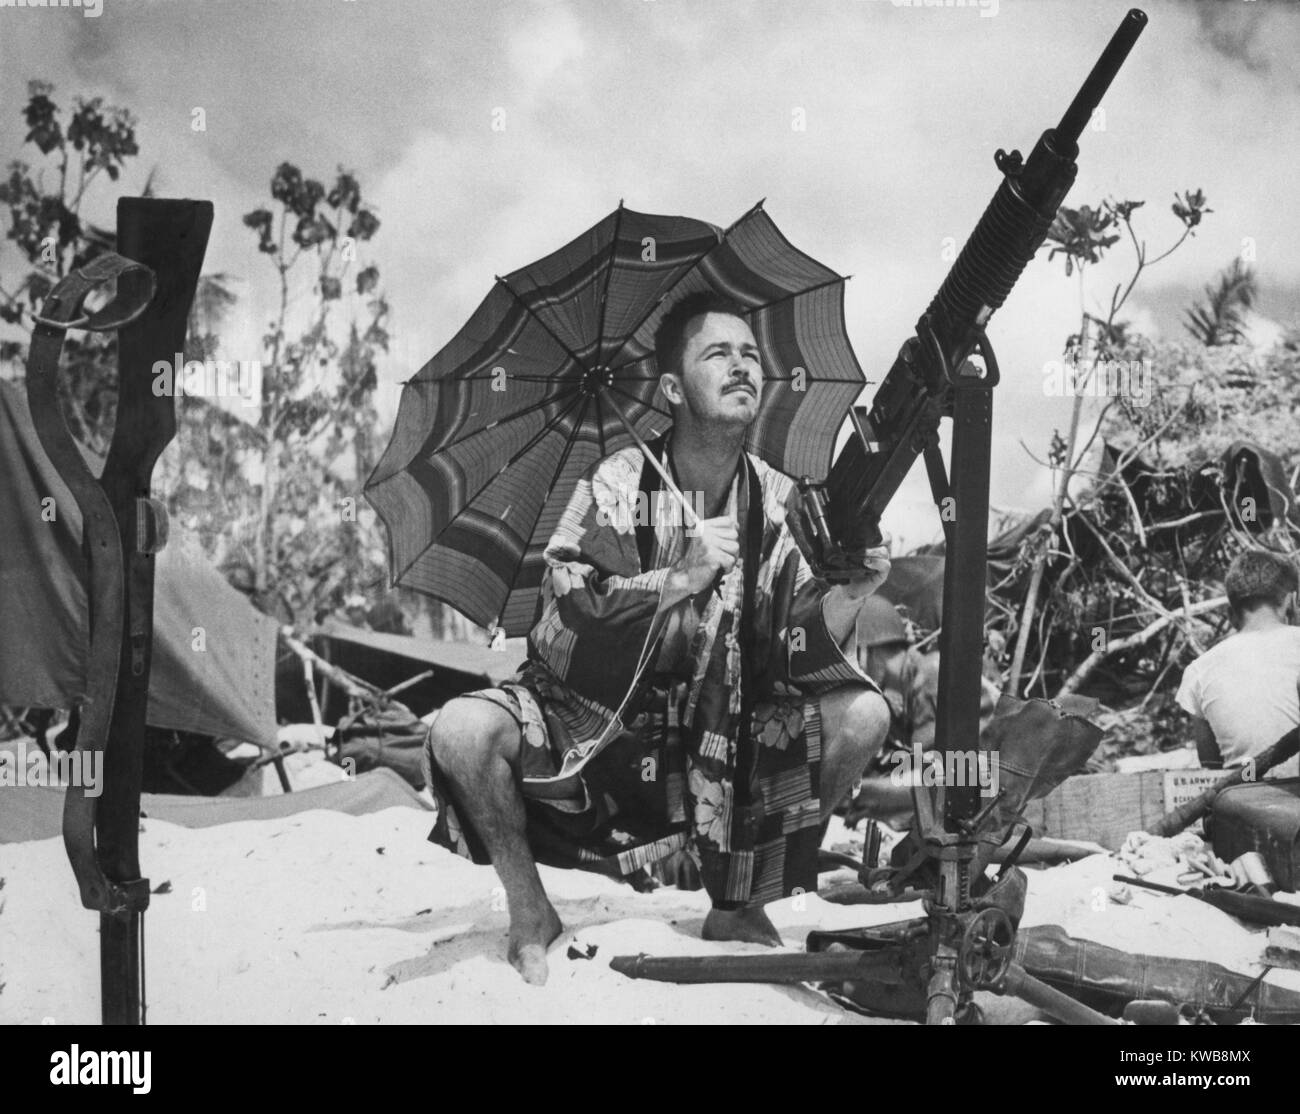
<point>541,510</point>
<point>632,363</point>
<point>682,277</point>
<point>766,379</point>
<point>571,388</point>
<point>609,279</point>
<point>640,402</point>
<point>476,378</point>
<point>483,487</point>
<point>799,293</point>
<point>538,318</point>
<point>600,425</point>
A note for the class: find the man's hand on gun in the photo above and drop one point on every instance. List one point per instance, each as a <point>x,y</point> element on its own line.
<point>843,601</point>
<point>876,570</point>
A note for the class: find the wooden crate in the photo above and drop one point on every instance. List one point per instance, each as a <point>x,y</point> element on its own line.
<point>1104,808</point>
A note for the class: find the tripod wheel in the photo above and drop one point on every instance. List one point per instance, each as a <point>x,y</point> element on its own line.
<point>985,951</point>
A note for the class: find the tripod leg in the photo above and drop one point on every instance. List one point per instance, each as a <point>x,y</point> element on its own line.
<point>1020,984</point>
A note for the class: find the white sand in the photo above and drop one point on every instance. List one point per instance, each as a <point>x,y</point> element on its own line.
<point>304,920</point>
<point>322,918</point>
<point>1152,924</point>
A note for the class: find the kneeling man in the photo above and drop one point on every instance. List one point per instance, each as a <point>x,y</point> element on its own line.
<point>688,685</point>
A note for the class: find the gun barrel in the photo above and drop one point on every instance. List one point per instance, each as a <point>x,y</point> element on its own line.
<point>1103,73</point>
<point>1175,821</point>
<point>1247,907</point>
<point>808,967</point>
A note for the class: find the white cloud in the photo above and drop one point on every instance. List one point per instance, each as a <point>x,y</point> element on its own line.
<point>546,46</point>
<point>686,108</point>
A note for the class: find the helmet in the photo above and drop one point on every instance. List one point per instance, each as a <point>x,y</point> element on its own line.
<point>879,623</point>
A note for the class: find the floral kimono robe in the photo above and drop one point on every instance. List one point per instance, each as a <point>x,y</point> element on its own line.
<point>647,729</point>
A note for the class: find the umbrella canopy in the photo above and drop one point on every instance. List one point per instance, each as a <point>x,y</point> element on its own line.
<point>557,364</point>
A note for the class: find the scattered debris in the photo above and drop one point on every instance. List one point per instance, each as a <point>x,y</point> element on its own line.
<point>1283,948</point>
<point>1143,853</point>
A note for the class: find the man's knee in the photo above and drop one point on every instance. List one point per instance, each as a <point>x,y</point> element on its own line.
<point>859,720</point>
<point>469,732</point>
<point>869,712</point>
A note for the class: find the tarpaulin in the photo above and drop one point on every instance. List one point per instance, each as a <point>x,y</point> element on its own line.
<point>213,652</point>
<point>36,812</point>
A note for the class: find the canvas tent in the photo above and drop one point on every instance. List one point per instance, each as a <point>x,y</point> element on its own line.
<point>213,656</point>
<point>386,660</point>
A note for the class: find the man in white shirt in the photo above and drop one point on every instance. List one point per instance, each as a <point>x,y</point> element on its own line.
<point>1242,693</point>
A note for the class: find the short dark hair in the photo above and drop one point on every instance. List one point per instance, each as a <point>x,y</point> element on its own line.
<point>670,336</point>
<point>1255,578</point>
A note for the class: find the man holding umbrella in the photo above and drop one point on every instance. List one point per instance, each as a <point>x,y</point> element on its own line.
<point>688,684</point>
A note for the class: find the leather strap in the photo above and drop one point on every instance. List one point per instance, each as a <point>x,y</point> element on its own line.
<point>751,554</point>
<point>651,482</point>
<point>100,541</point>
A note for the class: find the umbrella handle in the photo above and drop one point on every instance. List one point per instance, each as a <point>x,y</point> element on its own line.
<point>689,518</point>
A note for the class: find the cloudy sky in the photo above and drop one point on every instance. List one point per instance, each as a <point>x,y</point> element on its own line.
<point>688,106</point>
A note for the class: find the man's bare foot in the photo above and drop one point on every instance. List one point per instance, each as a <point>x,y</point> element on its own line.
<point>750,925</point>
<point>529,939</point>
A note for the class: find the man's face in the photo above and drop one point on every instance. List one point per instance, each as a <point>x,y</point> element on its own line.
<point>720,381</point>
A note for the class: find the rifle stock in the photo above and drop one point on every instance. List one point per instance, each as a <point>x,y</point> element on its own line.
<point>161,247</point>
<point>1246,907</point>
<point>1185,815</point>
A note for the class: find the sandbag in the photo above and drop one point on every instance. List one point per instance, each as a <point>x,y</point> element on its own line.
<point>1108,979</point>
<point>1039,743</point>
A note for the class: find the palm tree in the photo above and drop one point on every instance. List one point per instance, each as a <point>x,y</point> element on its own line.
<point>1220,319</point>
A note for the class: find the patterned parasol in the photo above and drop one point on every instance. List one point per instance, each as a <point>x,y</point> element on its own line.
<point>556,369</point>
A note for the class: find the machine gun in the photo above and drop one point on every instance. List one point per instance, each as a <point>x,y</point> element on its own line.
<point>965,947</point>
<point>841,517</point>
